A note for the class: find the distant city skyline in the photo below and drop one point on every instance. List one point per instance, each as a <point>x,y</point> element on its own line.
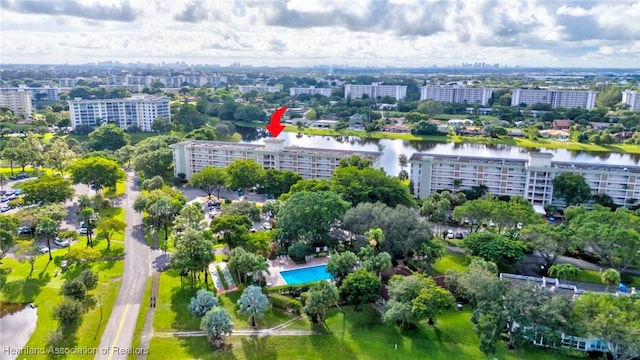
<point>396,33</point>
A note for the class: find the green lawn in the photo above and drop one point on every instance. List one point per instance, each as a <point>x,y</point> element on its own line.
<point>43,289</point>
<point>457,262</point>
<point>173,298</point>
<point>355,335</point>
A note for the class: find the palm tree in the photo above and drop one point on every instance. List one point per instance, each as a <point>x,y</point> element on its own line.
<point>48,228</point>
<point>610,277</point>
<point>162,213</point>
<point>90,219</point>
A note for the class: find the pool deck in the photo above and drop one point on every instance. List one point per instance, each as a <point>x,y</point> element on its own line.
<point>285,263</point>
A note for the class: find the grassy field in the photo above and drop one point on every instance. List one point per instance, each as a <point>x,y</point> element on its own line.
<point>43,289</point>
<point>352,335</point>
<point>451,261</point>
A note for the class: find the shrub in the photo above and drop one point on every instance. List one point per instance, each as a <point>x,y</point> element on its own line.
<point>68,313</point>
<point>303,297</point>
<point>227,201</point>
<point>201,303</point>
<point>55,337</point>
<point>286,303</point>
<point>289,290</point>
<point>341,248</point>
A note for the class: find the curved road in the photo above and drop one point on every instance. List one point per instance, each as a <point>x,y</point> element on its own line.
<point>118,334</point>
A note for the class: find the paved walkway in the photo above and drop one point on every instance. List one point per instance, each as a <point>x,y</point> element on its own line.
<point>147,331</point>
<point>274,331</point>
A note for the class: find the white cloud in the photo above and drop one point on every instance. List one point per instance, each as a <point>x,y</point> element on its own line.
<point>298,32</point>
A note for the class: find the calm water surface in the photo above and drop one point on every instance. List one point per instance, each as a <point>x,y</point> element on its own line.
<point>391,149</point>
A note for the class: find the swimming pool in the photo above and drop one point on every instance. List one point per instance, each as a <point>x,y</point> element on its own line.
<point>305,275</point>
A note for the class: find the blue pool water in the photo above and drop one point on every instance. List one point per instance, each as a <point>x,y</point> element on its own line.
<point>305,275</point>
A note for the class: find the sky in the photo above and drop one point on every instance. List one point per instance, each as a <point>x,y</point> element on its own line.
<point>405,33</point>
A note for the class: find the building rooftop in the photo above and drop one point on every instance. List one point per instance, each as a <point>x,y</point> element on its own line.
<point>287,149</point>
<point>468,159</point>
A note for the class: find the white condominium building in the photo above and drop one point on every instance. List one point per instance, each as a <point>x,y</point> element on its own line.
<point>259,88</point>
<point>18,101</point>
<point>456,94</point>
<point>375,91</point>
<point>567,99</point>
<point>47,93</point>
<point>137,111</point>
<point>530,178</point>
<point>295,91</point>
<point>631,98</point>
<point>192,156</point>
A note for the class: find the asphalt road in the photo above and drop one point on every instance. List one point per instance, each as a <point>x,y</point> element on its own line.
<point>118,334</point>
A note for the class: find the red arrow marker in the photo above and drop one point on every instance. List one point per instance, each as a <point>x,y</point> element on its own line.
<point>274,126</point>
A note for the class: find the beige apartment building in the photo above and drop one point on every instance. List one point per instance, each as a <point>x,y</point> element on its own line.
<point>18,101</point>
<point>530,178</point>
<point>192,156</point>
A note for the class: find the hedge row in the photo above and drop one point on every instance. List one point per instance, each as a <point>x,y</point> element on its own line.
<point>290,290</point>
<point>286,303</point>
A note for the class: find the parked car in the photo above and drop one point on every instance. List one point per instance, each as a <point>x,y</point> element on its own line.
<point>266,226</point>
<point>43,249</point>
<point>83,231</point>
<point>62,242</point>
<point>24,230</point>
<point>450,234</point>
<point>23,176</point>
<point>5,208</point>
<point>459,236</point>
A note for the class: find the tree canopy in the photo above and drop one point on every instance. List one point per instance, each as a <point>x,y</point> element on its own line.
<point>209,179</point>
<point>109,137</point>
<point>572,188</point>
<point>96,172</point>
<point>370,185</point>
<point>243,174</point>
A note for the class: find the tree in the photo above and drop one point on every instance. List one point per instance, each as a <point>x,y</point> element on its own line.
<point>90,219</point>
<point>26,251</point>
<point>125,154</point>
<point>243,263</point>
<point>614,320</point>
<point>494,247</point>
<point>375,236</point>
<point>403,160</point>
<point>68,313</point>
<point>610,277</point>
<point>82,256</point>
<point>341,264</point>
<point>430,108</point>
<point>48,228</point>
<point>245,208</point>
<point>152,163</point>
<point>572,188</point>
<point>89,279</point>
<point>153,183</point>
<point>210,178</point>
<point>96,172</point>
<point>11,154</point>
<point>191,217</point>
<point>403,230</point>
<point>193,253</point>
<point>310,114</point>
<point>370,185</point>
<point>216,323</point>
<point>243,174</point>
<point>564,271</point>
<point>234,228</point>
<point>253,303</point>
<point>59,155</point>
<point>615,236</point>
<point>378,263</point>
<point>424,127</point>
<point>108,137</point>
<point>7,241</point>
<point>360,287</point>
<point>547,240</point>
<point>187,118</point>
<point>278,182</point>
<point>47,189</point>
<point>74,289</point>
<point>321,297</point>
<point>355,161</point>
<point>108,227</point>
<point>202,303</point>
<point>310,215</point>
<point>161,124</point>
<point>415,297</point>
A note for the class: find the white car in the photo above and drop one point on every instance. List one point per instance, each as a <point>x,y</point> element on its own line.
<point>83,231</point>
<point>43,249</point>
<point>62,242</point>
<point>266,226</point>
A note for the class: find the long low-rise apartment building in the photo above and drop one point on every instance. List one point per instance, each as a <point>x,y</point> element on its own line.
<point>295,91</point>
<point>456,94</point>
<point>530,178</point>
<point>192,156</point>
<point>375,91</point>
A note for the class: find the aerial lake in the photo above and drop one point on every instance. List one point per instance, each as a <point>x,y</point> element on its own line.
<point>391,149</point>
